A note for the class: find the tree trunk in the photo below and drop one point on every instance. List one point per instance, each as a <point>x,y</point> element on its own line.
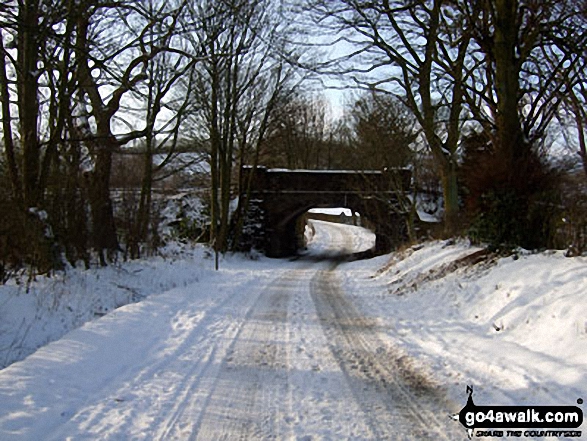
<point>510,140</point>
<point>144,212</point>
<point>76,194</point>
<point>104,229</point>
<point>28,105</point>
<point>105,238</point>
<point>582,142</point>
<point>450,190</point>
<point>580,114</point>
<point>443,152</point>
<point>214,148</point>
<point>7,127</point>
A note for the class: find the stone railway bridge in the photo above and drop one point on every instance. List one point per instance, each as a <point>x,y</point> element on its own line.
<point>279,198</point>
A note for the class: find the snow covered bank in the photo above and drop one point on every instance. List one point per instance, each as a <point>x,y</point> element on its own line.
<point>32,315</point>
<point>514,327</point>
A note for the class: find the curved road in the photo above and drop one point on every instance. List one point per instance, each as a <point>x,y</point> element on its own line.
<point>286,355</point>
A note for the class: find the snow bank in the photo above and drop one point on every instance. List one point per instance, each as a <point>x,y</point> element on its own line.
<point>514,327</point>
<point>37,313</point>
<point>129,369</point>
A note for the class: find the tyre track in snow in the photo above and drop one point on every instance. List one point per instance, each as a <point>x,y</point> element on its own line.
<point>251,396</point>
<point>398,402</point>
<point>215,403</point>
<point>173,383</point>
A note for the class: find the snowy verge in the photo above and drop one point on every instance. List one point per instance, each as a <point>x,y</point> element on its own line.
<point>514,327</point>
<point>37,313</point>
<point>130,368</point>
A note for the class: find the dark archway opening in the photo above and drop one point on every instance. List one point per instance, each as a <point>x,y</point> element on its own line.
<point>293,234</point>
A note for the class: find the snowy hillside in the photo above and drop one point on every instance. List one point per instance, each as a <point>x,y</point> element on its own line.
<point>515,327</point>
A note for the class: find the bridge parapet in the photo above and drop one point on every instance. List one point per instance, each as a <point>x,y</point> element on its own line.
<point>289,181</point>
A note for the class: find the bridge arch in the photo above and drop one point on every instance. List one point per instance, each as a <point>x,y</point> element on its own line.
<point>279,197</point>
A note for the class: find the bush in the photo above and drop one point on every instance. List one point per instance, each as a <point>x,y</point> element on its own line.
<point>191,230</point>
<point>571,225</point>
<point>509,219</point>
<point>26,240</point>
<point>510,202</point>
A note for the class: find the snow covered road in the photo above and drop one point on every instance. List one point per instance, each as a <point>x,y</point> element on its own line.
<point>262,350</point>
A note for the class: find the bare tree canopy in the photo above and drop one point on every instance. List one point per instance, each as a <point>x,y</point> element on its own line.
<point>484,84</point>
<point>492,66</point>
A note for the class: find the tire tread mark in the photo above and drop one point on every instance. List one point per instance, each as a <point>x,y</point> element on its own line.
<point>388,389</point>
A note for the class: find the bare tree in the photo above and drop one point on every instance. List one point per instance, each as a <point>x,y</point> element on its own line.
<point>573,115</point>
<point>300,135</point>
<point>34,86</point>
<point>383,131</point>
<point>109,68</point>
<point>526,63</point>
<point>235,89</point>
<point>576,105</point>
<point>527,54</point>
<point>161,106</point>
<point>416,50</point>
